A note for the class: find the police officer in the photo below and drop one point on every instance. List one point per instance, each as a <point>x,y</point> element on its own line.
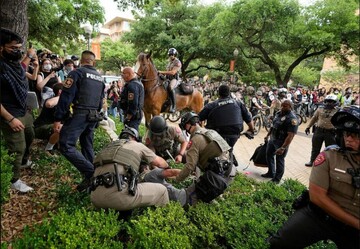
<point>324,130</point>
<point>333,209</point>
<point>165,140</point>
<point>84,89</point>
<point>226,116</point>
<point>256,103</point>
<point>132,98</point>
<point>172,73</point>
<point>114,184</point>
<point>205,149</point>
<point>281,134</point>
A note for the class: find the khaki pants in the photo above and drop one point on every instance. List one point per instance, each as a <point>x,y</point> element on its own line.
<point>18,143</point>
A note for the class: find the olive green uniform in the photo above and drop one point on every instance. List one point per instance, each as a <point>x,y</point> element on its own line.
<point>147,194</point>
<point>198,153</point>
<point>170,141</point>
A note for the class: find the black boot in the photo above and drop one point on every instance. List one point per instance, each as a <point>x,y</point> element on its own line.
<point>173,101</point>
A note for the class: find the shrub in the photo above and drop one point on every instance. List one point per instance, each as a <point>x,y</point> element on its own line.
<point>6,173</point>
<point>161,228</point>
<point>81,229</point>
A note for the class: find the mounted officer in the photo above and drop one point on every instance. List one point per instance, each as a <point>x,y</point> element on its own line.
<point>172,74</point>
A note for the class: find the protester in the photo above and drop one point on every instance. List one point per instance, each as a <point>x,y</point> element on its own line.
<point>16,122</point>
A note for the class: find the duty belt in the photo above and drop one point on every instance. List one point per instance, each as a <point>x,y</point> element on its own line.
<point>325,130</point>
<point>108,180</point>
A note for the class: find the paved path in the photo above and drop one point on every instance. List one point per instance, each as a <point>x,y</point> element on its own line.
<point>298,155</point>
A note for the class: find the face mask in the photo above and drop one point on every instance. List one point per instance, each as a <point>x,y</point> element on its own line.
<point>68,69</point>
<point>15,55</point>
<point>47,67</point>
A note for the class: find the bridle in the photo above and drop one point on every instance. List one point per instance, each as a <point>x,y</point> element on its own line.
<point>145,67</point>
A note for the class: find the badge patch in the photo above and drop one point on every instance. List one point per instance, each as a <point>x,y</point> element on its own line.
<point>294,121</point>
<point>68,82</point>
<point>130,96</point>
<point>189,145</point>
<point>319,159</point>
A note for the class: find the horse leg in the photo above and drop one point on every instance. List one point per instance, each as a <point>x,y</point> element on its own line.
<point>147,119</point>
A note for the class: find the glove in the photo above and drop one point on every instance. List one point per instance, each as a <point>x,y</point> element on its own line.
<point>249,135</point>
<point>307,131</point>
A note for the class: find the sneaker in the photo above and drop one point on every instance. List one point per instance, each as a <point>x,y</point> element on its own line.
<point>267,175</point>
<point>28,164</point>
<point>83,186</point>
<point>309,164</point>
<point>21,186</point>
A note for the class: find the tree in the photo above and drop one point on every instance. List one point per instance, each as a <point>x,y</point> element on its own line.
<point>115,55</point>
<point>51,23</point>
<point>263,30</point>
<point>13,16</point>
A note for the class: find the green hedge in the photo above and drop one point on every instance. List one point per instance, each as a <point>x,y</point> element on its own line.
<point>6,173</point>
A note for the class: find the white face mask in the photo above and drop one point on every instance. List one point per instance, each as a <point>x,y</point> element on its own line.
<point>47,67</point>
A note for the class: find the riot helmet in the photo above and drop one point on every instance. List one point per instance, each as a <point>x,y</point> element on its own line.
<point>172,51</point>
<point>250,90</point>
<point>158,125</point>
<point>331,101</point>
<point>189,117</point>
<point>129,131</point>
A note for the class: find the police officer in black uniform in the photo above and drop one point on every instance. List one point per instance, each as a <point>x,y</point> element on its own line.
<point>132,98</point>
<point>281,133</point>
<point>84,89</point>
<point>226,116</point>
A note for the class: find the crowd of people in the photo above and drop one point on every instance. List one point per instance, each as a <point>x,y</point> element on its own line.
<point>129,173</point>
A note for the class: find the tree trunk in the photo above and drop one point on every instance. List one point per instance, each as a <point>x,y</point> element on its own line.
<point>13,16</point>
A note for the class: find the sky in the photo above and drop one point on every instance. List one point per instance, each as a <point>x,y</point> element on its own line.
<point>112,11</point>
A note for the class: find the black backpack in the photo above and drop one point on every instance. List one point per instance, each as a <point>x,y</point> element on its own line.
<point>259,156</point>
<point>210,186</point>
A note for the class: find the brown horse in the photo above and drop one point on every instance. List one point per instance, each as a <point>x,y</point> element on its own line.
<point>156,94</point>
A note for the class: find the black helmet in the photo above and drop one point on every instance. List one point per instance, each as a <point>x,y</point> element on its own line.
<point>189,117</point>
<point>129,131</point>
<point>172,51</point>
<point>158,125</point>
<point>347,119</point>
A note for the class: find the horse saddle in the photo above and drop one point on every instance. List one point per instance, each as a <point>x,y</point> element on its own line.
<point>182,88</point>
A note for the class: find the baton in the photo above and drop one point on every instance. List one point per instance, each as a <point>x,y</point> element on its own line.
<point>167,151</point>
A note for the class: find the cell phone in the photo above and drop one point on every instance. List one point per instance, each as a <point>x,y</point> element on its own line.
<point>30,44</point>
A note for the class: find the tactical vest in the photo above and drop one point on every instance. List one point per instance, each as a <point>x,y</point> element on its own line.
<point>216,146</point>
<point>170,67</point>
<point>91,88</point>
<point>227,112</point>
<point>115,153</point>
<point>163,143</point>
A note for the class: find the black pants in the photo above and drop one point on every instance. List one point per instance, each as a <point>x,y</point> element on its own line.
<point>309,225</point>
<point>318,138</point>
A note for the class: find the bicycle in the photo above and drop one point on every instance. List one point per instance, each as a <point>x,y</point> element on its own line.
<point>300,113</point>
<point>262,119</point>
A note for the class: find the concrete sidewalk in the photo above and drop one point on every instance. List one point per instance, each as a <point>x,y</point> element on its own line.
<point>298,154</point>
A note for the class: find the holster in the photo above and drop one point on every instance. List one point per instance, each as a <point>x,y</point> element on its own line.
<point>95,116</point>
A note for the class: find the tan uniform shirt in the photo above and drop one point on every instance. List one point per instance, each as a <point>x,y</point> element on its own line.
<point>160,144</point>
<point>330,173</point>
<point>322,117</point>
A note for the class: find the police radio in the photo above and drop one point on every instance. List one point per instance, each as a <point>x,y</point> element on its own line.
<point>355,175</point>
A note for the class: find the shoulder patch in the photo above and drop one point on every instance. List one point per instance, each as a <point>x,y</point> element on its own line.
<point>189,145</point>
<point>68,82</point>
<point>130,96</point>
<point>294,121</point>
<point>320,159</point>
<point>147,141</point>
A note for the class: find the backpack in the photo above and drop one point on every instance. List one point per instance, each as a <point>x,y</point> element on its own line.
<point>259,156</point>
<point>210,186</point>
